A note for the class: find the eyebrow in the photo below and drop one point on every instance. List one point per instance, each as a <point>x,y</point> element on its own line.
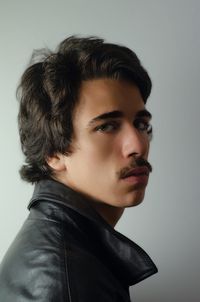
<point>117,114</point>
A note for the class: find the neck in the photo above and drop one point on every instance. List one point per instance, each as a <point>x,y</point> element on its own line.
<point>110,214</point>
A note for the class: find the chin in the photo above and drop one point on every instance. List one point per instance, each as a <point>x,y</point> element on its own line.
<point>134,199</point>
<point>134,204</point>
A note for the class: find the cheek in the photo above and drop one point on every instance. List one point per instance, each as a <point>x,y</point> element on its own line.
<point>99,149</point>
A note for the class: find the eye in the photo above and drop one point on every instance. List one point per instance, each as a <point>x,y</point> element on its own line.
<point>108,127</point>
<point>143,125</point>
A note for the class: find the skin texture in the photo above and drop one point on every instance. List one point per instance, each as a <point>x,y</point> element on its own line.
<point>100,154</point>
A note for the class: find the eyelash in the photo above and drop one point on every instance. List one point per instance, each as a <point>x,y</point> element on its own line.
<point>103,126</point>
<point>146,126</point>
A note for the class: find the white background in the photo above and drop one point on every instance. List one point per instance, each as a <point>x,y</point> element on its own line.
<point>165,36</point>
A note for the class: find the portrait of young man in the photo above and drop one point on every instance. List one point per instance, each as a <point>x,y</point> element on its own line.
<point>85,133</point>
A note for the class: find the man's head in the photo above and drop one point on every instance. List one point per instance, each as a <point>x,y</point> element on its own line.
<point>83,121</point>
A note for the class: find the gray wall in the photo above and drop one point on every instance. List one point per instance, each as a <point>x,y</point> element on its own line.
<point>165,35</point>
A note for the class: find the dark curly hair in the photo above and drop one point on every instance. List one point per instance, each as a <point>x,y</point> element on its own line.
<point>49,90</point>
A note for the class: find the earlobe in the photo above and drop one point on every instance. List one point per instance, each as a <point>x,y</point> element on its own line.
<point>57,162</point>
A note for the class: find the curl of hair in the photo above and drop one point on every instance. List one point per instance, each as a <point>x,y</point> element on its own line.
<point>49,90</point>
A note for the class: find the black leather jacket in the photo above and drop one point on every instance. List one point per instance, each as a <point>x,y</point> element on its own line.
<point>66,252</point>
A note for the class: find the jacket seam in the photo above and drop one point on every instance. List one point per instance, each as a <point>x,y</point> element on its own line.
<point>66,270</point>
<point>45,219</point>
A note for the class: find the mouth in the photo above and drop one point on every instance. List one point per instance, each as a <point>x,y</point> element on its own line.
<point>140,171</point>
<point>138,175</point>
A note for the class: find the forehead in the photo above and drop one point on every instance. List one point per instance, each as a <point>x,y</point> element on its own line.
<point>104,95</point>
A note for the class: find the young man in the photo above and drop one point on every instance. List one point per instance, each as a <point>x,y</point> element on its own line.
<point>85,134</point>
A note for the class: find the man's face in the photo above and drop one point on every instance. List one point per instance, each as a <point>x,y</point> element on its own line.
<point>107,147</point>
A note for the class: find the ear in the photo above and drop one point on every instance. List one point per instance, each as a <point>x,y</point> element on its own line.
<point>57,162</point>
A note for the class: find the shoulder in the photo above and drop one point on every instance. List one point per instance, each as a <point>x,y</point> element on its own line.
<point>52,261</point>
<point>32,268</point>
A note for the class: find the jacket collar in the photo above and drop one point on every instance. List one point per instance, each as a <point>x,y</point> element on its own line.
<point>132,261</point>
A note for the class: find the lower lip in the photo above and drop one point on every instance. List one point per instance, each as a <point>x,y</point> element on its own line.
<point>139,179</point>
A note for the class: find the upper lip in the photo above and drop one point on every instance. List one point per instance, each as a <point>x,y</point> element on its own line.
<point>137,171</point>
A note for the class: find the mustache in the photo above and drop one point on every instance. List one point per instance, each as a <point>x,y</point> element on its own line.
<point>137,163</point>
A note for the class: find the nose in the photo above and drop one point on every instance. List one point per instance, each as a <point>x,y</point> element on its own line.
<point>135,143</point>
